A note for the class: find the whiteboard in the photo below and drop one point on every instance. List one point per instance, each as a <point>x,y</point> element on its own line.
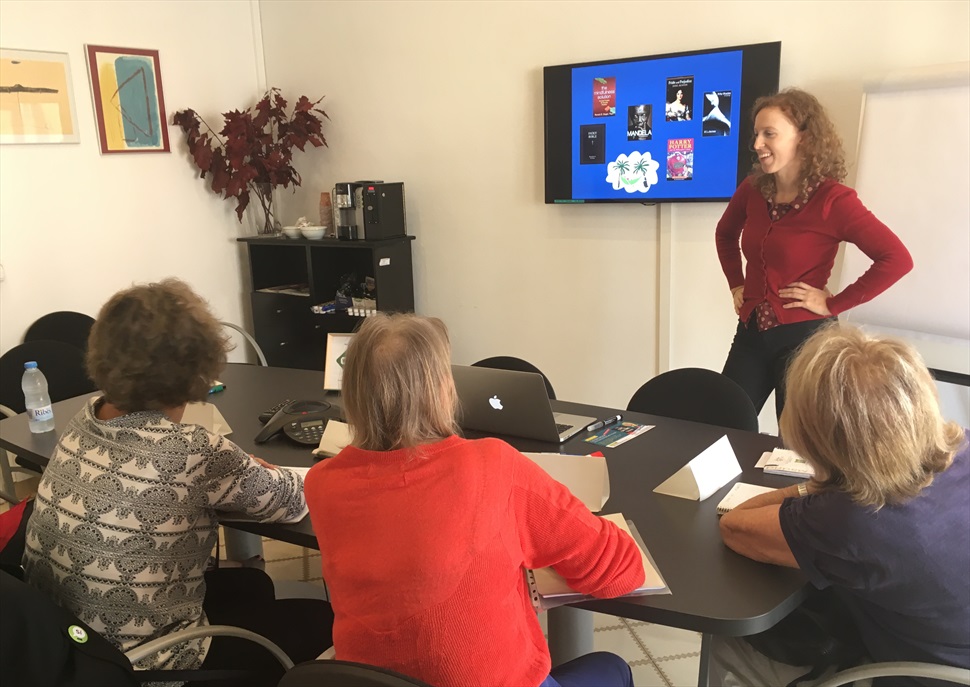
<point>914,174</point>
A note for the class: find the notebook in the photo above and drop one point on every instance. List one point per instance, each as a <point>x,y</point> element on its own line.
<point>512,403</point>
<point>740,493</point>
<point>782,461</point>
<point>548,589</point>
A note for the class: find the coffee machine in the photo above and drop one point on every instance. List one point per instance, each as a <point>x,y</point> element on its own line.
<point>369,210</point>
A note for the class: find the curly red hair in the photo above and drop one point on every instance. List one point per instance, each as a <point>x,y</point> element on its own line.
<point>820,148</point>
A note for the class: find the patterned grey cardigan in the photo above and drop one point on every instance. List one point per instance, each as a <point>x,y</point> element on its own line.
<point>125,521</point>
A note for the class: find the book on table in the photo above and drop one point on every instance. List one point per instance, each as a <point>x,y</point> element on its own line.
<point>549,590</point>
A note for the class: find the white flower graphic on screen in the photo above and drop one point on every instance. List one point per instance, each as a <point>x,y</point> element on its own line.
<point>634,172</point>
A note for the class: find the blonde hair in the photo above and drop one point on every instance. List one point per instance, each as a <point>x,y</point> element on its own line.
<point>819,149</point>
<point>865,412</point>
<point>156,346</point>
<point>397,385</point>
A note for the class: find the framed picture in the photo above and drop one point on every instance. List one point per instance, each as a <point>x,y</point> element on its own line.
<point>126,84</point>
<point>36,98</point>
<point>333,370</point>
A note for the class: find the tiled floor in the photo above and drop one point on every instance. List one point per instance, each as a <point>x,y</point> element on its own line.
<point>659,656</point>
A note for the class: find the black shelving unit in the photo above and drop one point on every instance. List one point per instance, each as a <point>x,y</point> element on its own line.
<point>289,333</point>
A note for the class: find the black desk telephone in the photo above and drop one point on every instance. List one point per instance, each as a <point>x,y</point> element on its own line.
<point>301,421</point>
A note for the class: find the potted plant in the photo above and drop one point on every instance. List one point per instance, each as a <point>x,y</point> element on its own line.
<point>253,153</point>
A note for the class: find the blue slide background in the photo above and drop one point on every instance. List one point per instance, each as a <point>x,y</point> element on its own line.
<point>645,82</point>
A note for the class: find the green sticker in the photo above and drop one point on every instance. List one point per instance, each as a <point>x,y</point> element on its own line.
<point>77,633</point>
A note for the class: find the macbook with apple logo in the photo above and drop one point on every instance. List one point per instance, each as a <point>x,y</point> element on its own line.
<point>512,403</point>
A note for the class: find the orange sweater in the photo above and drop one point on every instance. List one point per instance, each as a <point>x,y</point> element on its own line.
<point>423,551</point>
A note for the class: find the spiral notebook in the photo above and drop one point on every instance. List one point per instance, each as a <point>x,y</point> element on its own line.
<point>740,493</point>
<point>548,589</point>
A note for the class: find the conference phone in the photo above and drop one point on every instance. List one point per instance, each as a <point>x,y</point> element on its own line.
<point>301,421</point>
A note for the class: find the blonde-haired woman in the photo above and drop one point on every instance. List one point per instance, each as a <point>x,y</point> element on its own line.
<point>885,522</point>
<point>424,535</point>
<point>794,213</point>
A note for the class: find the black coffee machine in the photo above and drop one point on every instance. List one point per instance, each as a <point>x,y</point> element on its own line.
<point>369,210</point>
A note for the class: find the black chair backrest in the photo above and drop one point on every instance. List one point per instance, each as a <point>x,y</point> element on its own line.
<point>65,326</point>
<point>506,362</point>
<point>345,674</point>
<point>61,363</point>
<point>699,395</point>
<point>42,644</point>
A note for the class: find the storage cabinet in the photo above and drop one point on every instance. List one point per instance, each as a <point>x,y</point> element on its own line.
<point>288,276</point>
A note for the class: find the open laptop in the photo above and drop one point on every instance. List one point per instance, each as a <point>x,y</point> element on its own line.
<point>512,403</point>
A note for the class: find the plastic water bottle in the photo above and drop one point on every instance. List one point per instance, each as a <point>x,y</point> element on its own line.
<point>37,400</point>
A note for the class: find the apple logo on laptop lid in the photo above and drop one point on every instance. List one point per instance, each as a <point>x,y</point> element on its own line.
<point>495,402</point>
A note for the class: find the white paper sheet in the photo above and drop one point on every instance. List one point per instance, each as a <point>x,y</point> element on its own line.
<point>586,477</point>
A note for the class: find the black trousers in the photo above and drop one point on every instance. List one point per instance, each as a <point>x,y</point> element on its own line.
<point>758,361</point>
<point>245,597</point>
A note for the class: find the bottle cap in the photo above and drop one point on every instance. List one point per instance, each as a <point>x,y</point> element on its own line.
<point>30,366</point>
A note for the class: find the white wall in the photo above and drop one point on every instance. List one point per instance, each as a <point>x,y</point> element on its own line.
<point>76,226</point>
<point>447,97</point>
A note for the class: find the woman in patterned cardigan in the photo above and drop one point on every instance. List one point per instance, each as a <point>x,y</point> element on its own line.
<point>126,513</point>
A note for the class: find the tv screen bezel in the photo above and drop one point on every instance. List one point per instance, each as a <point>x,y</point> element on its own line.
<point>760,72</point>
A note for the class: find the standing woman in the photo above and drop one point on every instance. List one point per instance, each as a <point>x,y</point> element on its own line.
<point>794,213</point>
<point>425,536</point>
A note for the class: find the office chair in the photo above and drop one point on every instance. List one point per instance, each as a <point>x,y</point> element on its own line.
<point>345,674</point>
<point>64,326</point>
<point>42,646</point>
<point>249,338</point>
<point>935,671</point>
<point>506,362</point>
<point>699,395</point>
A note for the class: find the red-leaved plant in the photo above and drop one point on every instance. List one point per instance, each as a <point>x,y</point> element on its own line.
<point>253,153</point>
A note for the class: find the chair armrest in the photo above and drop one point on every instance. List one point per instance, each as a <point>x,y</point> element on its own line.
<point>936,671</point>
<point>162,643</point>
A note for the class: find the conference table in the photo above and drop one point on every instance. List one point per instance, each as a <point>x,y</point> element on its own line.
<point>714,591</point>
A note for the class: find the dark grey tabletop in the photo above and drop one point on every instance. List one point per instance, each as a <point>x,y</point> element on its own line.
<point>714,590</point>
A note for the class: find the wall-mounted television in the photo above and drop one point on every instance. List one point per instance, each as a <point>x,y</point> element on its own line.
<point>655,129</point>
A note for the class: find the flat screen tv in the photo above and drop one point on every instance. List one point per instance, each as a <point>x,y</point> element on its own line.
<point>656,129</point>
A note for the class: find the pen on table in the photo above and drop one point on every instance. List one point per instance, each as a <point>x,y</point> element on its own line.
<point>599,424</point>
<point>218,386</point>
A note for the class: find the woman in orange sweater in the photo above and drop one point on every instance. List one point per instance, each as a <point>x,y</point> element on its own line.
<point>425,536</point>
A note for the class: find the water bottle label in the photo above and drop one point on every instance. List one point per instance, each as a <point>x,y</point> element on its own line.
<point>40,414</point>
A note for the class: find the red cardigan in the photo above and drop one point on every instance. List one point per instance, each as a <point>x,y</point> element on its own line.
<point>423,551</point>
<point>802,246</point>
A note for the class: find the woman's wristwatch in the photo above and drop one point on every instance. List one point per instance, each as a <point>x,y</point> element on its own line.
<point>802,489</point>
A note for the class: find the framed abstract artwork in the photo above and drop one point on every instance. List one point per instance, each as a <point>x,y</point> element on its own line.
<point>126,84</point>
<point>36,98</point>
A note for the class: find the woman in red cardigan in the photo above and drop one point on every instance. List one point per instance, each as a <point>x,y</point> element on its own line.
<point>424,536</point>
<point>794,213</point>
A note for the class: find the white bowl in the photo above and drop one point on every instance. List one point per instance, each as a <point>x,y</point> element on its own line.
<point>292,232</point>
<point>312,232</point>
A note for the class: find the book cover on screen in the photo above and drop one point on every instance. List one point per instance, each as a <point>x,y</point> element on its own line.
<point>604,96</point>
<point>592,144</point>
<point>639,125</point>
<point>680,99</point>
<point>680,159</point>
<point>717,114</point>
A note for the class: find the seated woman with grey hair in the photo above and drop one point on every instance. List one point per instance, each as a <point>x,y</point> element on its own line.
<point>425,536</point>
<point>126,515</point>
<point>884,524</point>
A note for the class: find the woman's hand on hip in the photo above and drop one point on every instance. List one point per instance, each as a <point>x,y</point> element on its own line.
<point>808,297</point>
<point>737,293</point>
